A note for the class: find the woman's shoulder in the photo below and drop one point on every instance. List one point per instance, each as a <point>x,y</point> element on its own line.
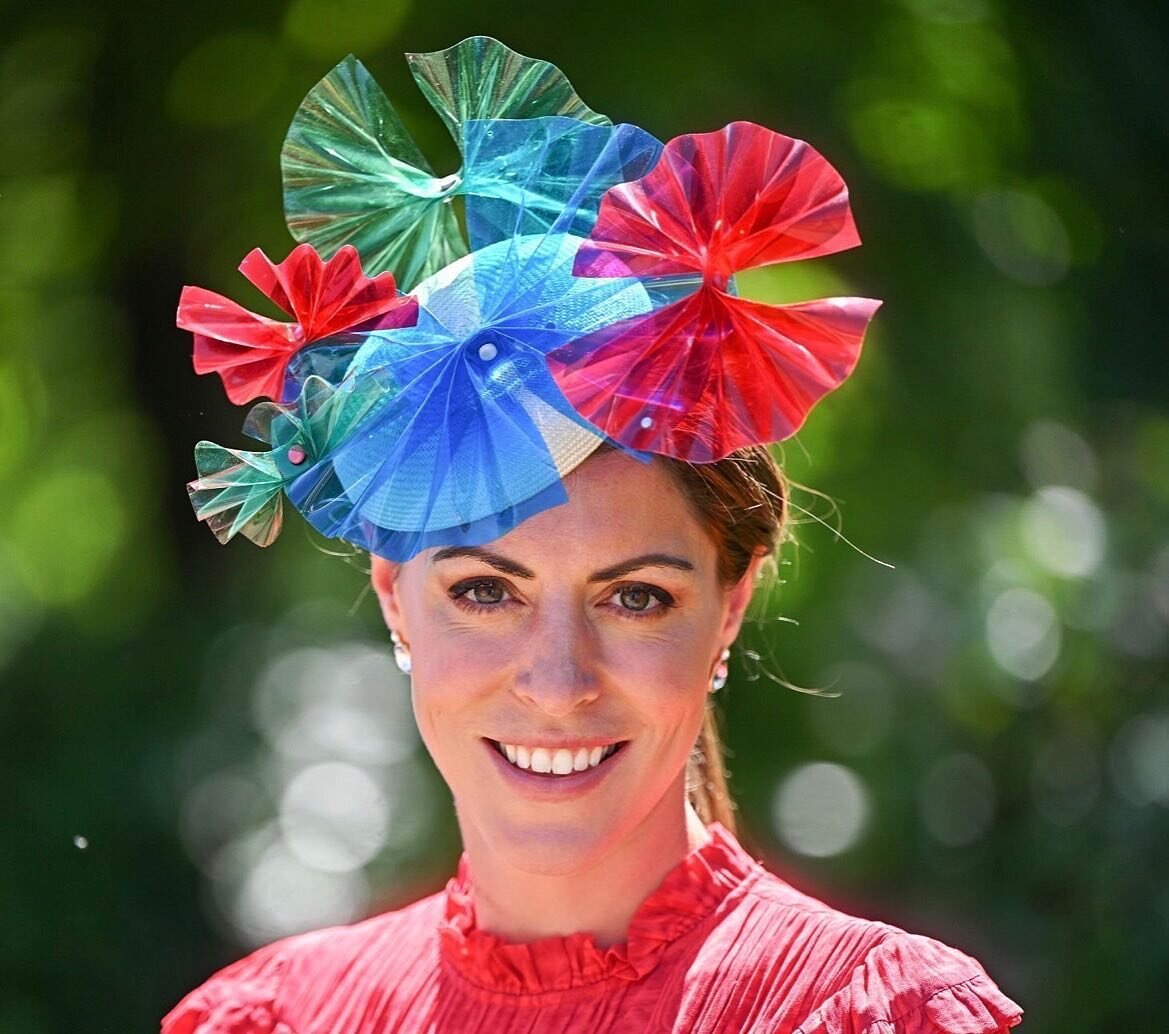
<point>836,973</point>
<point>910,984</point>
<point>260,993</point>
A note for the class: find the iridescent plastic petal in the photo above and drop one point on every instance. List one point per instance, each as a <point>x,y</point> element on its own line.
<point>353,175</point>
<point>238,493</point>
<point>545,175</point>
<point>327,297</point>
<point>712,373</point>
<point>322,416</point>
<point>411,473</point>
<point>480,78</point>
<point>717,203</point>
<point>331,414</point>
<point>470,434</point>
<point>251,353</point>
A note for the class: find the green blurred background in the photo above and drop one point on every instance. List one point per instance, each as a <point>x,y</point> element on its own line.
<point>205,747</point>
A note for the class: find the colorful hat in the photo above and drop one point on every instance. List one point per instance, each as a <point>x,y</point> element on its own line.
<point>590,298</point>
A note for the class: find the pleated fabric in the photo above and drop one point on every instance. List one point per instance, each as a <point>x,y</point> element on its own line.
<point>721,946</point>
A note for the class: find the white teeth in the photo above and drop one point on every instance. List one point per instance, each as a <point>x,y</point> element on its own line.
<point>555,761</point>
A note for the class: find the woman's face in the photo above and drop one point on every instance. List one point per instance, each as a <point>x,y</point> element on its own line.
<point>591,629</point>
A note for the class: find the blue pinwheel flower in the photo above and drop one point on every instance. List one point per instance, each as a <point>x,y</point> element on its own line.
<point>470,435</point>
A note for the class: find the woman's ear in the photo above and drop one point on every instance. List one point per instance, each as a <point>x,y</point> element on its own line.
<point>383,576</point>
<point>739,599</point>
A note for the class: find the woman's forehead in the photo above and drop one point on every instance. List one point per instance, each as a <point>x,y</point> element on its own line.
<point>617,508</point>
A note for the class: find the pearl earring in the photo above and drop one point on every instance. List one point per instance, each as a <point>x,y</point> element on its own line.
<point>720,672</point>
<point>401,654</point>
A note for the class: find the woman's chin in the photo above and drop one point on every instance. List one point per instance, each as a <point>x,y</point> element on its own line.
<point>547,849</point>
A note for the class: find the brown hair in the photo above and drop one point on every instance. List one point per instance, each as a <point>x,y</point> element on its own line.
<point>741,501</point>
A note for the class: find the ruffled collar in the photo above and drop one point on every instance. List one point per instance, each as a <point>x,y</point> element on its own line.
<point>690,892</point>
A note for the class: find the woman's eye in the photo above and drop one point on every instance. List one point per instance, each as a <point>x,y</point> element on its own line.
<point>641,599</point>
<point>483,592</point>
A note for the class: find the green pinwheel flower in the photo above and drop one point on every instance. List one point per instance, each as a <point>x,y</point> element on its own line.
<point>353,174</point>
<point>242,493</point>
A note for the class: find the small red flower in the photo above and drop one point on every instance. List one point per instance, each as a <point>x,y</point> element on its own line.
<point>251,352</point>
<point>712,372</point>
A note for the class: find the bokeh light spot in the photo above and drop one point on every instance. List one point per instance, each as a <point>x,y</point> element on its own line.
<point>821,809</point>
<point>1023,236</point>
<point>1053,454</point>
<point>316,704</point>
<point>920,144</point>
<point>1064,530</point>
<point>218,808</point>
<point>226,80</point>
<point>899,614</point>
<point>1022,633</point>
<point>326,28</point>
<point>1159,582</point>
<point>66,531</point>
<point>15,418</point>
<point>40,228</point>
<point>1139,759</point>
<point>333,817</point>
<point>949,12</point>
<point>282,896</point>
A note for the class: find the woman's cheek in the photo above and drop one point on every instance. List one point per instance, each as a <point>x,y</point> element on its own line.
<point>665,658</point>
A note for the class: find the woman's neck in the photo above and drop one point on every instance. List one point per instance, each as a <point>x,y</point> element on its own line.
<point>518,905</point>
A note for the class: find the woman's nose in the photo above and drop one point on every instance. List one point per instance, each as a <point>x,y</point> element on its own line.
<point>559,669</point>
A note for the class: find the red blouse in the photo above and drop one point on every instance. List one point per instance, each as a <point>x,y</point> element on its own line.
<point>721,946</point>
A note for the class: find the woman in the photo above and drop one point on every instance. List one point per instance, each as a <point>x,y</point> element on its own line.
<point>553,449</point>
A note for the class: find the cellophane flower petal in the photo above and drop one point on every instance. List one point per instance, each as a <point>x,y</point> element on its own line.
<point>706,374</point>
<point>710,374</point>
<point>481,78</point>
<point>237,493</point>
<point>251,353</point>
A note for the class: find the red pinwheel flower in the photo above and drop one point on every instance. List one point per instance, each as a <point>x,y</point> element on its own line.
<point>251,352</point>
<point>712,372</point>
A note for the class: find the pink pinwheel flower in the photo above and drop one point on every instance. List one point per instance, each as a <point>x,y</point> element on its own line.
<point>251,352</point>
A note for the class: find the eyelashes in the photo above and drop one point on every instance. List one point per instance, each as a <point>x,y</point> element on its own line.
<point>635,601</point>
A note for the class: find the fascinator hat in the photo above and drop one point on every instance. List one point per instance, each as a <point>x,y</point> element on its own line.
<point>440,376</point>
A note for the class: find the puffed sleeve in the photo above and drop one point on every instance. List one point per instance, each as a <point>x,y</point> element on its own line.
<point>240,999</point>
<point>914,985</point>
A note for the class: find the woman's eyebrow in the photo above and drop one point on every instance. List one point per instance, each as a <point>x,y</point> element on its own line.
<point>638,562</point>
<point>500,563</point>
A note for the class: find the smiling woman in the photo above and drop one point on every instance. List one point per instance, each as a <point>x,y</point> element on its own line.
<point>553,448</point>
<point>591,631</point>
